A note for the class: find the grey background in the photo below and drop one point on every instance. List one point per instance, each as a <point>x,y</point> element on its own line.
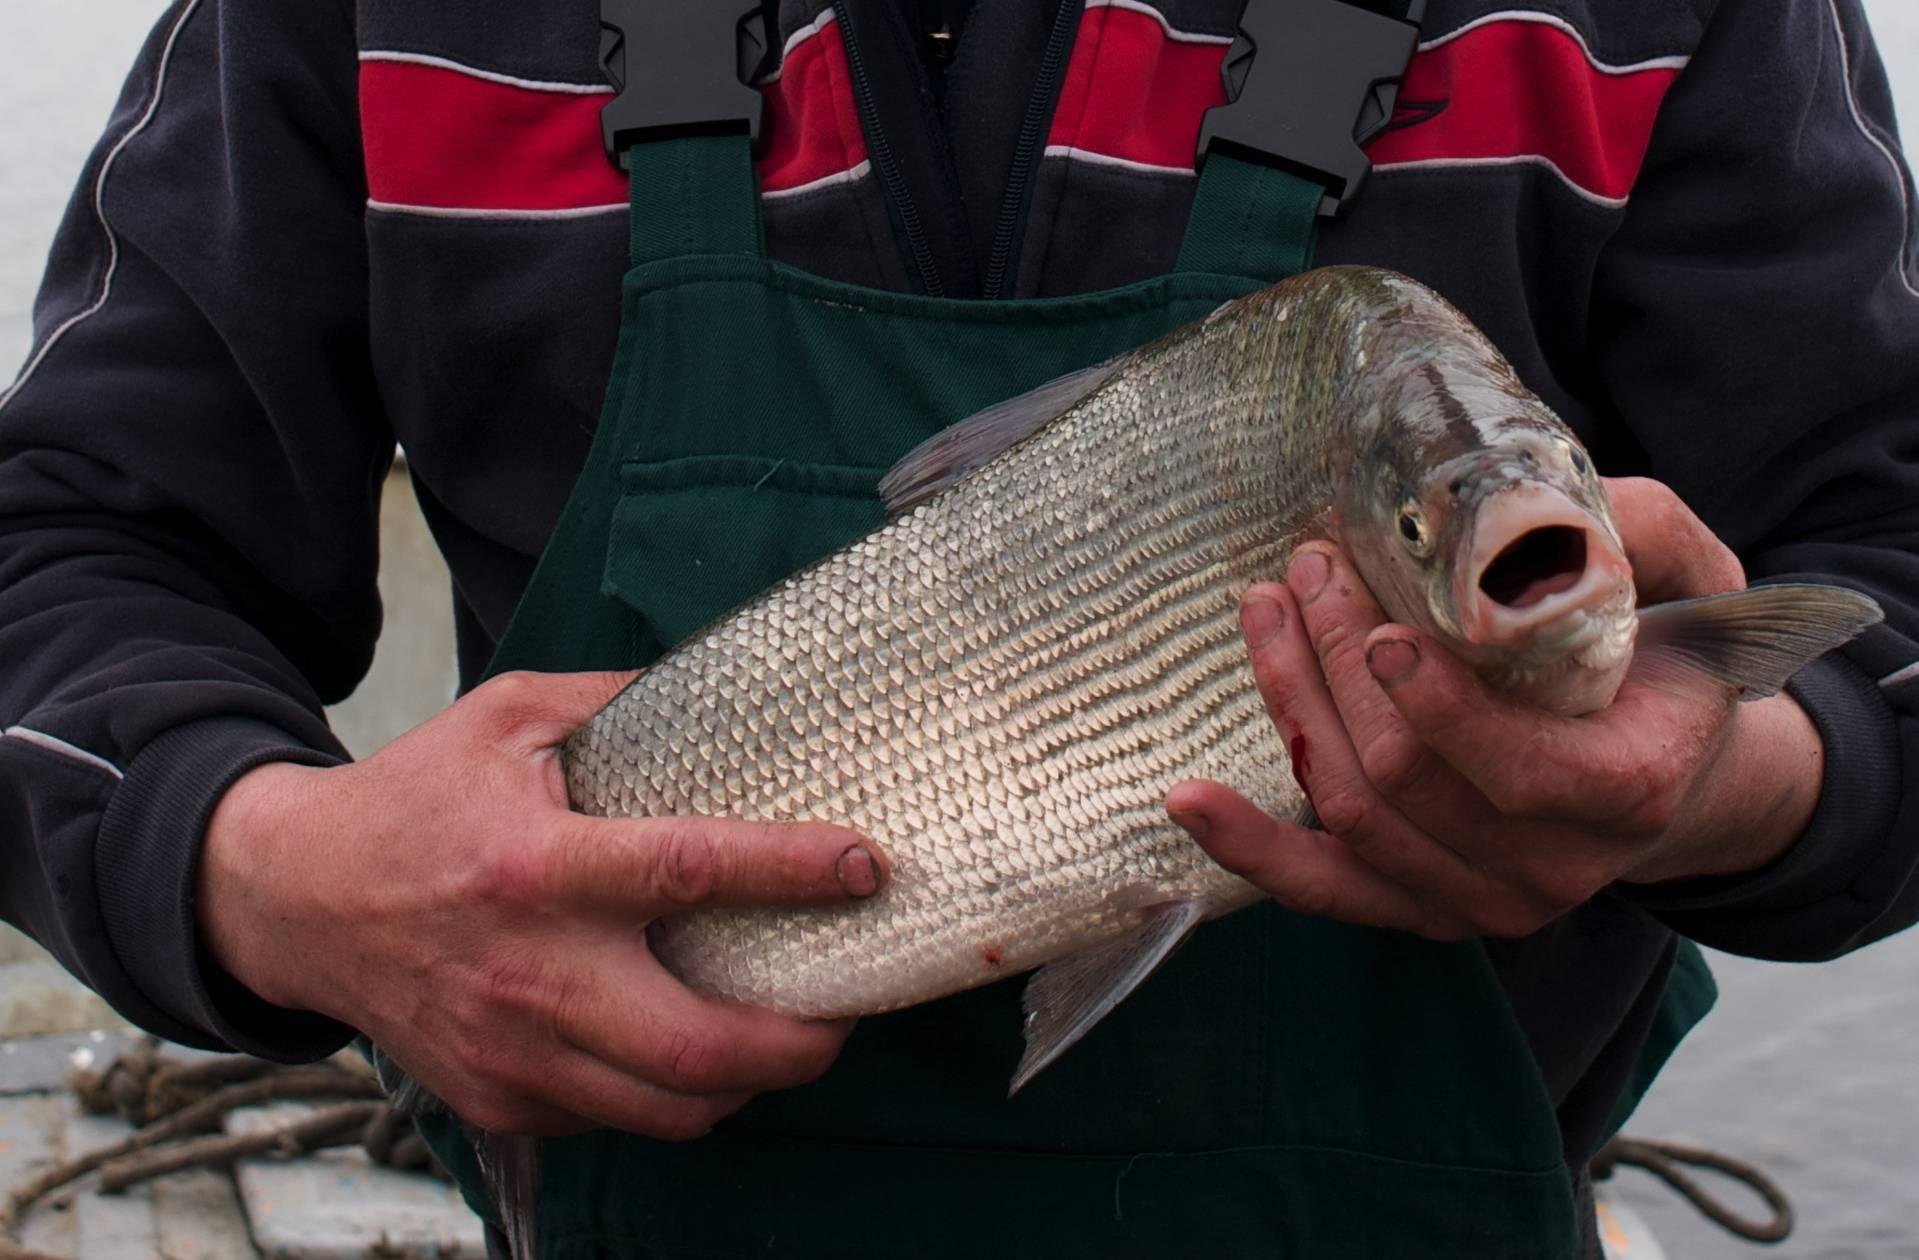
<point>1812,1071</point>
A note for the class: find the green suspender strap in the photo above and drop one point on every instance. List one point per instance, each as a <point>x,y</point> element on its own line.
<point>1285,1086</point>
<point>693,196</point>
<point>1250,220</point>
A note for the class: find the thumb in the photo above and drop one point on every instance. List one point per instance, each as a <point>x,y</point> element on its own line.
<point>1673,553</point>
<point>541,710</point>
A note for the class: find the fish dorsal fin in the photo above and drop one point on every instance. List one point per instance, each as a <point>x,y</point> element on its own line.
<point>1753,640</point>
<point>953,452</point>
<point>1064,999</point>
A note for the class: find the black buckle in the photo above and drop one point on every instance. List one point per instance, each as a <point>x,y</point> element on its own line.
<point>1328,77</point>
<point>668,59</point>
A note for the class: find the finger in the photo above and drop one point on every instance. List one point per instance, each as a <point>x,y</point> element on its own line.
<point>609,1098</point>
<point>631,1014</point>
<point>1336,620</point>
<point>1307,871</point>
<point>1342,783</point>
<point>1604,767</point>
<point>537,711</point>
<point>650,866</point>
<point>566,1091</point>
<point>1672,552</point>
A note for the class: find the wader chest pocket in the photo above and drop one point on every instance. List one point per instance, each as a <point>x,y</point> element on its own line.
<point>707,532</point>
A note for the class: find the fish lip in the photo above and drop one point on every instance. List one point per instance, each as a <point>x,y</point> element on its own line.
<point>1562,621</point>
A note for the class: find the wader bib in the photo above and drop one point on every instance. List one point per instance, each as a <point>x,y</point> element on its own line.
<point>1285,1086</point>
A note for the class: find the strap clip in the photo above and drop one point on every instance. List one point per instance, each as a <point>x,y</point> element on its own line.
<point>668,60</point>
<point>1327,78</point>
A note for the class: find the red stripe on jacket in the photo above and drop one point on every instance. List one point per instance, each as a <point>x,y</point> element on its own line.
<point>1517,90</point>
<point>442,138</point>
<point>447,138</point>
<point>812,127</point>
<point>1513,90</point>
<point>1133,92</point>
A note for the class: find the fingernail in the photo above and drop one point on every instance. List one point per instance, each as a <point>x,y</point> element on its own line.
<point>1392,660</point>
<point>1307,575</point>
<point>859,874</point>
<point>1261,618</point>
<point>1194,823</point>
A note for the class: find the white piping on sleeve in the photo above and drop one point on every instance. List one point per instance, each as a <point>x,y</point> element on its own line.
<point>1898,676</point>
<point>1520,159</point>
<point>818,24</point>
<point>491,76</point>
<point>1899,172</point>
<point>485,212</point>
<point>1108,159</point>
<point>40,739</point>
<point>1560,24</point>
<point>1172,32</point>
<point>100,210</point>
<point>856,171</point>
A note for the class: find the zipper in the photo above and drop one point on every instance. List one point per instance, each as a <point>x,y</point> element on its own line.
<point>1026,153</point>
<point>883,160</point>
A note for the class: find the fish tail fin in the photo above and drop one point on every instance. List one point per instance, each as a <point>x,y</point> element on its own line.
<point>1753,640</point>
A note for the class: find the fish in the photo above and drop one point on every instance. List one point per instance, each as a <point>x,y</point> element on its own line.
<point>1002,682</point>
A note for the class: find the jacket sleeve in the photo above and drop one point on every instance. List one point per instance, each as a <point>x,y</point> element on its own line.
<point>189,471</point>
<point>1757,326</point>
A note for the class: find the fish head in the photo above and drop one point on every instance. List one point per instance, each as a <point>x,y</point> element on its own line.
<point>1474,514</point>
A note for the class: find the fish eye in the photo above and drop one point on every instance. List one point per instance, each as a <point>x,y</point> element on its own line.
<point>1579,461</point>
<point>1412,528</point>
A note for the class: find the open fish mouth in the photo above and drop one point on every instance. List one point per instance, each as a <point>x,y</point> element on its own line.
<point>1540,567</point>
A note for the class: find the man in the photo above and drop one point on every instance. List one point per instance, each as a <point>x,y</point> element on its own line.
<point>314,229</point>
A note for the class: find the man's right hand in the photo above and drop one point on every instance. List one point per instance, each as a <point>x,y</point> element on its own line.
<point>442,898</point>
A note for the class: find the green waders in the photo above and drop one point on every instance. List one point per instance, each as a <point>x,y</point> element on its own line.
<point>1284,1087</point>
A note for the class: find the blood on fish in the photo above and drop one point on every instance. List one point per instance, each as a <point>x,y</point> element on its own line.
<point>990,955</point>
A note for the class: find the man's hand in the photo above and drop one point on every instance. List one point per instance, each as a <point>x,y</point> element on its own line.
<point>441,898</point>
<point>1452,811</point>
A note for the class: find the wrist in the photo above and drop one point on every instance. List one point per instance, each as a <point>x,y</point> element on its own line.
<point>245,902</point>
<point>1761,797</point>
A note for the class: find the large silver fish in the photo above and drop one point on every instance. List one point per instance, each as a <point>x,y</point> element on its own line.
<point>1001,684</point>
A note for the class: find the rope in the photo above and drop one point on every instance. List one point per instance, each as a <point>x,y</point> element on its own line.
<point>178,1108</point>
<point>1663,1160</point>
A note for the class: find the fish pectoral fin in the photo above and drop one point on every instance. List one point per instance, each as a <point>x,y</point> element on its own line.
<point>1752,640</point>
<point>953,452</point>
<point>1065,998</point>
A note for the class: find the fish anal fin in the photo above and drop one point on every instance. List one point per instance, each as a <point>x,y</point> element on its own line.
<point>953,452</point>
<point>1065,998</point>
<point>510,1166</point>
<point>1753,640</point>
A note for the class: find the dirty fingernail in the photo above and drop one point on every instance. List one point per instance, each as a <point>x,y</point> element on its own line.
<point>1194,823</point>
<point>1392,660</point>
<point>859,875</point>
<point>1261,618</point>
<point>1307,575</point>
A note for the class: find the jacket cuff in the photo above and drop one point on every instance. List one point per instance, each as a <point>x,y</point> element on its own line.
<point>1776,911</point>
<point>146,863</point>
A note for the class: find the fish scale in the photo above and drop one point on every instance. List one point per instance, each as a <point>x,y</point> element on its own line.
<point>999,687</point>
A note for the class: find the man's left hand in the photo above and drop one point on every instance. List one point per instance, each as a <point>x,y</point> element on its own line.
<point>1452,811</point>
